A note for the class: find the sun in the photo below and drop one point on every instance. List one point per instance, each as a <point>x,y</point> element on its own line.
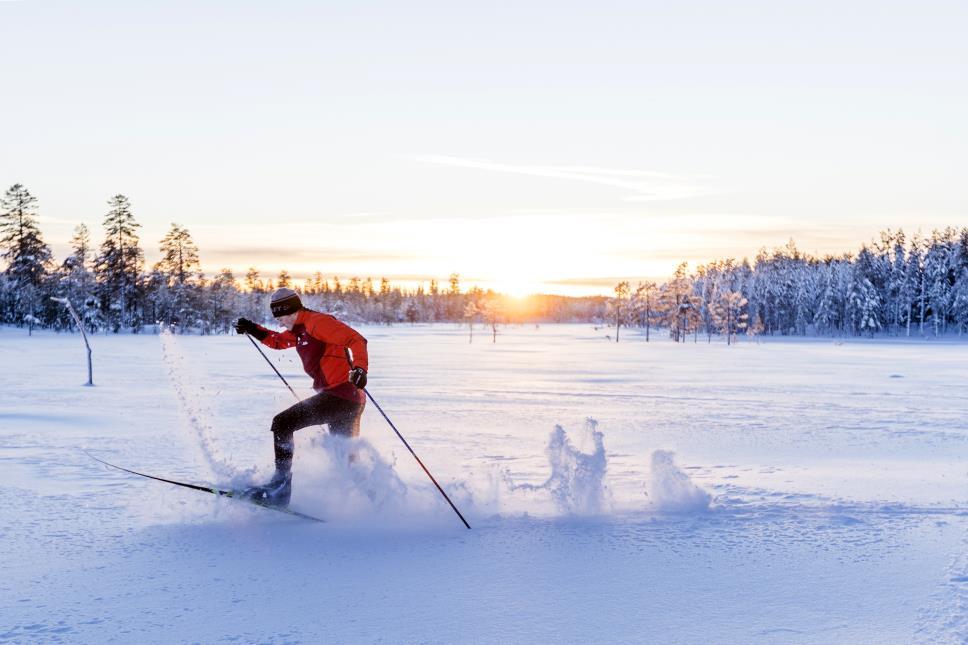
<point>517,289</point>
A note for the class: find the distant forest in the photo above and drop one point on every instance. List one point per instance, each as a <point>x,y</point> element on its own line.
<point>893,286</point>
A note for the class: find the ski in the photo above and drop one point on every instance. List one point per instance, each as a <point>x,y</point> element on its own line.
<point>233,494</point>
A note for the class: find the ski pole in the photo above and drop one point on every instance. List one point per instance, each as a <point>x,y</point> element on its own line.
<point>259,349</point>
<point>349,358</point>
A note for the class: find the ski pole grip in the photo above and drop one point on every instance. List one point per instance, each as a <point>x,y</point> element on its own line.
<point>349,356</point>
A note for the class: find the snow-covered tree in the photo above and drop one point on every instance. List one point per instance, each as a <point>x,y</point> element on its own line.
<point>863,306</point>
<point>728,314</point>
<point>620,306</point>
<point>118,267</point>
<point>939,278</point>
<point>959,301</point>
<point>674,303</point>
<point>178,270</point>
<point>221,303</point>
<point>492,311</point>
<point>644,305</point>
<point>75,281</point>
<point>27,257</point>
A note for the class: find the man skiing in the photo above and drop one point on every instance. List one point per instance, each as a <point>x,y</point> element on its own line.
<point>321,342</point>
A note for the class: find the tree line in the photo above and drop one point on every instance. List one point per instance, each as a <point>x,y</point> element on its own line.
<point>894,285</point>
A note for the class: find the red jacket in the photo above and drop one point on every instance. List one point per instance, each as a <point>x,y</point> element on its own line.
<point>321,340</point>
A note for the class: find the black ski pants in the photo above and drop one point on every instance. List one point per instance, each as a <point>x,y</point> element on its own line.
<point>342,417</point>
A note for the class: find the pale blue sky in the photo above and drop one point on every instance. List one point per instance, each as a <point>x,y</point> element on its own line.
<point>535,145</point>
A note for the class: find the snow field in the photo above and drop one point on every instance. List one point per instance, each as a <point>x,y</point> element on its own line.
<point>774,492</point>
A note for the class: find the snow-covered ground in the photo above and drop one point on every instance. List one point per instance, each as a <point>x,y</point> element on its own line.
<point>786,491</point>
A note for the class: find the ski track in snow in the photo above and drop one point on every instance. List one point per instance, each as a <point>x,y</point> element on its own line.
<point>945,619</point>
<point>198,417</point>
<point>766,510</point>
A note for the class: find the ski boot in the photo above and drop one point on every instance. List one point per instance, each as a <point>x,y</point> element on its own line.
<point>276,493</point>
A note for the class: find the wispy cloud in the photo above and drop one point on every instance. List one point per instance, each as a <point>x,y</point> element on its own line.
<point>256,254</point>
<point>644,185</point>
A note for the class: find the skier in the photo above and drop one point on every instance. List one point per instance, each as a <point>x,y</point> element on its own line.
<point>321,341</point>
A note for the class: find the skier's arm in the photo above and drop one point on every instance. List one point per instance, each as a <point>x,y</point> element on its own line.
<point>269,338</point>
<point>331,331</point>
<point>279,339</point>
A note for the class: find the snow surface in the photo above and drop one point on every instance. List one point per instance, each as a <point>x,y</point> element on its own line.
<point>785,491</point>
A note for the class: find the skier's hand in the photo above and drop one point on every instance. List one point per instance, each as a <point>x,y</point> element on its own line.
<point>246,326</point>
<point>358,377</point>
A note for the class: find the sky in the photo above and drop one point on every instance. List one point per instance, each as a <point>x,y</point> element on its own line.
<point>552,147</point>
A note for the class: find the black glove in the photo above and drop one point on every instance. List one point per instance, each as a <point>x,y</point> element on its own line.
<point>246,326</point>
<point>358,377</point>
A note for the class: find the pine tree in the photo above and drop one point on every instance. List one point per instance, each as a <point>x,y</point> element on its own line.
<point>619,304</point>
<point>492,310</point>
<point>644,305</point>
<point>253,306</point>
<point>863,306</point>
<point>472,310</point>
<point>939,277</point>
<point>959,301</point>
<point>706,284</point>
<point>76,282</point>
<point>118,267</point>
<point>917,284</point>
<point>221,303</point>
<point>412,312</point>
<point>27,255</point>
<point>179,266</point>
<point>179,256</point>
<point>866,296</point>
<point>825,317</point>
<point>252,281</point>
<point>674,304</point>
<point>757,292</point>
<point>898,294</point>
<point>319,285</point>
<point>728,315</point>
<point>454,308</point>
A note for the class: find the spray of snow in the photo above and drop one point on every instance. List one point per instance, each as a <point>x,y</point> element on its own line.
<point>346,478</point>
<point>671,490</point>
<point>191,397</point>
<point>577,480</point>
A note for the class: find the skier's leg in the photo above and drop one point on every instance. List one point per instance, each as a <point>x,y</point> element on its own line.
<point>345,418</point>
<point>342,416</point>
<point>302,414</point>
<point>305,413</point>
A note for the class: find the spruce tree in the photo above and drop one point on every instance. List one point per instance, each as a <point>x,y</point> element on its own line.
<point>284,280</point>
<point>76,282</point>
<point>959,304</point>
<point>221,304</point>
<point>179,256</point>
<point>620,306</point>
<point>728,314</point>
<point>28,258</point>
<point>179,266</point>
<point>118,266</point>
